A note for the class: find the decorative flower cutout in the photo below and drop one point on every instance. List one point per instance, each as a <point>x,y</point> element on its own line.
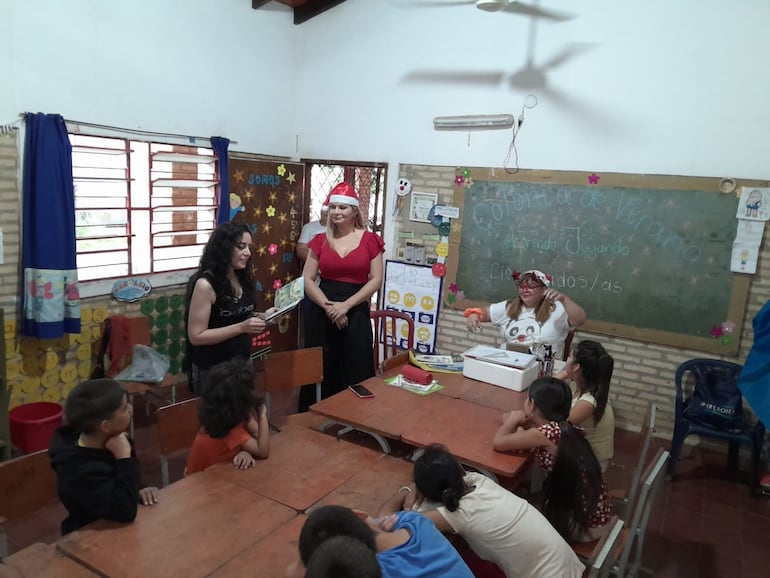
<point>281,170</point>
<point>466,173</point>
<point>272,249</point>
<point>468,182</point>
<point>459,180</point>
<point>461,295</point>
<point>451,298</point>
<point>717,331</point>
<point>270,211</point>
<point>728,326</point>
<point>593,179</point>
<point>726,340</point>
<point>453,287</point>
<point>277,284</point>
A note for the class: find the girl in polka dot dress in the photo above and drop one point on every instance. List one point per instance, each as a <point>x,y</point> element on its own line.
<point>576,501</point>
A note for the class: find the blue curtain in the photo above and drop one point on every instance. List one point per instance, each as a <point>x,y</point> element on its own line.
<point>226,213</point>
<point>50,299</point>
<point>754,381</point>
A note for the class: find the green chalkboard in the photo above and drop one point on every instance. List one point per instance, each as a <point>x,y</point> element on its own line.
<point>648,257</point>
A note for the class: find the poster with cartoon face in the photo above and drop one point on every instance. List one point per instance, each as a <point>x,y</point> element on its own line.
<point>414,290</point>
<point>754,204</point>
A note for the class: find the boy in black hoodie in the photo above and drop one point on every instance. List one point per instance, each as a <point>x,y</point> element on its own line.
<point>96,470</point>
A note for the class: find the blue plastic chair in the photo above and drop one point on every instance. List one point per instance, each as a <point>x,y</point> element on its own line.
<point>715,374</point>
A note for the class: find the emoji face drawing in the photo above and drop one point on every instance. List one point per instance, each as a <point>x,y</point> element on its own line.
<point>410,300</point>
<point>427,302</point>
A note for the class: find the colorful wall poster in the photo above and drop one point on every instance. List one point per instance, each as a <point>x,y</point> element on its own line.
<point>414,290</point>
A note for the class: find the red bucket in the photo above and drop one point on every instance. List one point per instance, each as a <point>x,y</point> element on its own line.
<point>33,424</point>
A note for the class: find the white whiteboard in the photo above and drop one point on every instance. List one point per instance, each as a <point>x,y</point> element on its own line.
<point>414,290</point>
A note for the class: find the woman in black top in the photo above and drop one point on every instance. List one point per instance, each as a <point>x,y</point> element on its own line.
<point>221,317</point>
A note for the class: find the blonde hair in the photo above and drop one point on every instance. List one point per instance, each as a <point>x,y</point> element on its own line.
<point>358,223</point>
<point>542,311</point>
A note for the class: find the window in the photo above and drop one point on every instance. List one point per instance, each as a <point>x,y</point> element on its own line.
<point>140,207</point>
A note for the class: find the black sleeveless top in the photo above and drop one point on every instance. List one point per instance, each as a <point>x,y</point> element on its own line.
<point>227,310</point>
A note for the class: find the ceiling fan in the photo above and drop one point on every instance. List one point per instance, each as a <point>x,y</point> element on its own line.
<point>509,6</point>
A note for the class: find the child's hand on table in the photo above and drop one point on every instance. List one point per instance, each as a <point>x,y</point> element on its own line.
<point>148,496</point>
<point>243,460</point>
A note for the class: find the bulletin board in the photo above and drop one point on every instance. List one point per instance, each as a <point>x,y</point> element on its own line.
<point>647,256</point>
<point>267,197</point>
<point>414,290</point>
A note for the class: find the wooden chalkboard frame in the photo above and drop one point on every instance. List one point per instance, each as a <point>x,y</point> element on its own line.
<point>741,282</point>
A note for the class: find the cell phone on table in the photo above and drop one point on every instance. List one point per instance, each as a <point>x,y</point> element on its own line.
<point>360,391</point>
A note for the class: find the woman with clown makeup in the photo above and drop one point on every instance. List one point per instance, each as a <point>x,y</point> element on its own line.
<point>539,314</point>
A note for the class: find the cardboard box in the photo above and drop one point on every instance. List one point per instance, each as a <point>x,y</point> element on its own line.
<point>508,369</point>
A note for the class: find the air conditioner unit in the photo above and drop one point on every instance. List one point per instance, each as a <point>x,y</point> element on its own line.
<point>473,122</point>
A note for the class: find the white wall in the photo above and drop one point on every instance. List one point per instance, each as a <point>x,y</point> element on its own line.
<point>655,86</point>
<point>195,67</point>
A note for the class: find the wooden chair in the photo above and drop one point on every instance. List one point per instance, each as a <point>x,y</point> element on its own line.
<point>177,426</point>
<point>630,558</point>
<point>386,336</point>
<point>289,369</point>
<point>396,361</point>
<point>27,484</point>
<point>603,554</point>
<point>624,497</point>
<point>126,332</point>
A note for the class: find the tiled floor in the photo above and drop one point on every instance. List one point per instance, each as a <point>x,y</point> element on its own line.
<point>703,524</point>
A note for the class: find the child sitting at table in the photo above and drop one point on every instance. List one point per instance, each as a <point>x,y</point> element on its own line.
<point>498,525</point>
<point>343,557</point>
<point>97,473</point>
<point>233,420</point>
<point>576,501</point>
<point>590,367</point>
<point>408,545</point>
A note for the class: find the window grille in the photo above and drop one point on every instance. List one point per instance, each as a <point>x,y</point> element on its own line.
<point>140,207</point>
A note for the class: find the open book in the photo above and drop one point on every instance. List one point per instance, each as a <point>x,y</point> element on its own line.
<point>287,298</point>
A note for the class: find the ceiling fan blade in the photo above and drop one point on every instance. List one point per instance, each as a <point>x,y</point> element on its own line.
<point>469,77</point>
<point>568,52</point>
<point>536,12</point>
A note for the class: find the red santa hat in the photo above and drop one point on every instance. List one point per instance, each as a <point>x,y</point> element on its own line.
<point>343,193</point>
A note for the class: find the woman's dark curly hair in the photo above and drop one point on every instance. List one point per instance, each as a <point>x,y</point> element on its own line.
<point>229,398</point>
<point>217,256</point>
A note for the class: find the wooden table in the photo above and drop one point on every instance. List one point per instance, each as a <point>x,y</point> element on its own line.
<point>268,558</point>
<point>42,560</point>
<point>304,466</point>
<point>464,416</point>
<point>370,488</point>
<point>467,430</point>
<point>199,524</point>
<point>383,416</point>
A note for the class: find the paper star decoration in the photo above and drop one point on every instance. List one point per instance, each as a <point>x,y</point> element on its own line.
<point>238,176</point>
<point>291,178</point>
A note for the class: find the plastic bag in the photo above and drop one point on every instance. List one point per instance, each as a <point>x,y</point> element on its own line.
<point>147,365</point>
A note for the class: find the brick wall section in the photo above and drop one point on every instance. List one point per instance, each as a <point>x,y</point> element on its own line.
<point>644,372</point>
<point>10,219</point>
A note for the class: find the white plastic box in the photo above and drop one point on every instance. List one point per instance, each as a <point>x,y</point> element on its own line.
<point>508,369</point>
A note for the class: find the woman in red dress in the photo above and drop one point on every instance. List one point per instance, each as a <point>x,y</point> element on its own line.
<point>349,260</point>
